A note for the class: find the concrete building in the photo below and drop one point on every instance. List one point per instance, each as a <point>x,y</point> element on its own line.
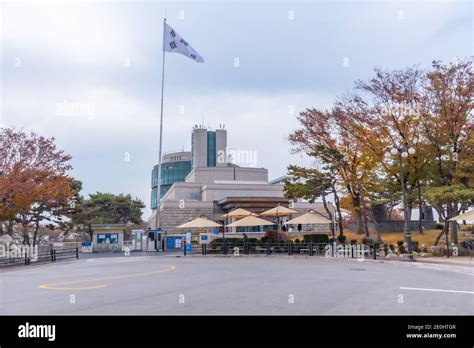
<point>215,186</point>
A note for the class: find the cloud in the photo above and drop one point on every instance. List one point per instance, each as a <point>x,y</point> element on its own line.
<point>74,81</point>
<point>114,138</point>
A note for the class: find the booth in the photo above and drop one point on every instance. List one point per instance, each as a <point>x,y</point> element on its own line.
<point>107,237</point>
<point>154,240</point>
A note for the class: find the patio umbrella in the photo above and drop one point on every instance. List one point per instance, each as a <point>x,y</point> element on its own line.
<point>466,216</point>
<point>199,223</point>
<point>250,221</point>
<point>308,219</point>
<point>238,213</point>
<point>277,212</point>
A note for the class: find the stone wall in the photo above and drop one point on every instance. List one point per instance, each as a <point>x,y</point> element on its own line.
<point>173,215</point>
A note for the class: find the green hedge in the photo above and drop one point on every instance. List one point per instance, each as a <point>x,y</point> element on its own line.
<point>231,241</point>
<point>316,238</point>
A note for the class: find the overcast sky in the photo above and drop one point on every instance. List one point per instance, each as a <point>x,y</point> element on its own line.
<point>89,72</point>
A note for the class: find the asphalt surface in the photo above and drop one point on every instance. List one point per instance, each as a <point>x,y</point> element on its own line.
<point>194,285</point>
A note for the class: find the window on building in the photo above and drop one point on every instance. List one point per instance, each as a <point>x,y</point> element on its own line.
<point>107,238</point>
<point>153,198</point>
<point>211,149</point>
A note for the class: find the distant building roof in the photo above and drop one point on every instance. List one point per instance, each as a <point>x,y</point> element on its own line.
<point>278,180</point>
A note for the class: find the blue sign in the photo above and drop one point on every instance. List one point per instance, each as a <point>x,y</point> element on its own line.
<point>169,243</point>
<point>204,237</point>
<point>216,231</point>
<point>86,243</point>
<point>188,247</point>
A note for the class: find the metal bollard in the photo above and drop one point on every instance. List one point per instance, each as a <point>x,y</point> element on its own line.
<point>77,253</point>
<point>290,247</point>
<point>375,251</point>
<point>54,255</point>
<point>268,248</point>
<point>310,248</point>
<point>184,250</point>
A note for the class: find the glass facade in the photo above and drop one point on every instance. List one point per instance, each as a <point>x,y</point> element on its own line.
<point>170,173</point>
<point>255,228</point>
<point>211,149</point>
<point>153,198</point>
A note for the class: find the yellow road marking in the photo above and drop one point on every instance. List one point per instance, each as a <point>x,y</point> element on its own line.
<point>57,286</point>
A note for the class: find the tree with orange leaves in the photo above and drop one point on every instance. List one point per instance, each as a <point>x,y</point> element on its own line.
<point>34,185</point>
<point>338,154</point>
<point>385,112</point>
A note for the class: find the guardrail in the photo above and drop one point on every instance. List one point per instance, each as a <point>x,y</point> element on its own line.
<point>42,255</point>
<point>311,249</point>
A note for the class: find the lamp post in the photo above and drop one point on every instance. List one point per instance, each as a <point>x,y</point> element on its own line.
<point>403,152</point>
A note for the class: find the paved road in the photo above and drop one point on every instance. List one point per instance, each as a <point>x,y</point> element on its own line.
<point>164,284</point>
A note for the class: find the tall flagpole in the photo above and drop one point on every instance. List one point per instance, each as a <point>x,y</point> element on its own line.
<point>158,190</point>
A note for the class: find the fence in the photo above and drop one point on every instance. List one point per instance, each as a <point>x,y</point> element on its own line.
<point>311,249</point>
<point>42,255</point>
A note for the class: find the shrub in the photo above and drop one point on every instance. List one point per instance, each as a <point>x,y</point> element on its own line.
<point>231,241</point>
<point>341,238</point>
<point>392,247</point>
<point>400,243</point>
<point>297,240</point>
<point>316,238</point>
<point>271,236</point>
<point>438,251</point>
<point>367,240</point>
<point>353,241</point>
<point>416,246</point>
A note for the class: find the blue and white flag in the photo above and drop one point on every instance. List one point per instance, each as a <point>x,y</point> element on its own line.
<point>173,42</point>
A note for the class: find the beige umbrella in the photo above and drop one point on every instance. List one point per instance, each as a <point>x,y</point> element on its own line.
<point>250,221</point>
<point>466,216</point>
<point>308,219</point>
<point>199,223</point>
<point>238,213</point>
<point>279,211</point>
